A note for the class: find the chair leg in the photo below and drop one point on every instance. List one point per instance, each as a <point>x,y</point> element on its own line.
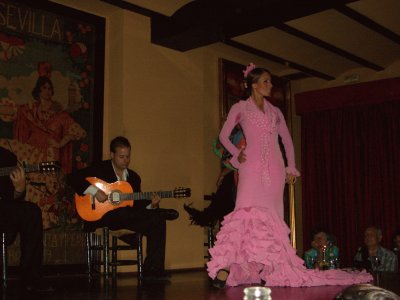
<point>106,249</point>
<point>210,241</point>
<point>96,253</point>
<point>4,258</point>
<point>139,258</point>
<point>210,235</point>
<point>114,257</point>
<point>91,253</point>
<point>88,255</point>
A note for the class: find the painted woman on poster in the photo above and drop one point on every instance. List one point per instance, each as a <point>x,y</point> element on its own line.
<point>43,131</point>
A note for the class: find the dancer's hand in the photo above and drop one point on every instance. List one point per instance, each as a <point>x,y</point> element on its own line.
<point>242,155</point>
<point>290,178</point>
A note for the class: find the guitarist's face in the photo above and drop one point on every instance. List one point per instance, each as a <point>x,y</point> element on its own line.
<point>121,157</point>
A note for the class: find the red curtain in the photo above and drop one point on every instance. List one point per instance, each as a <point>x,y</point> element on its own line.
<point>351,163</point>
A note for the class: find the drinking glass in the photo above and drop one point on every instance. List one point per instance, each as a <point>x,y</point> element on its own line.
<point>257,293</point>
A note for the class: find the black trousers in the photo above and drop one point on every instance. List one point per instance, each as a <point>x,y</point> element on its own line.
<point>25,218</point>
<point>146,221</point>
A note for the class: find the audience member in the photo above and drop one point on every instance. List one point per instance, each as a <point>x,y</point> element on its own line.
<point>324,254</point>
<point>366,292</point>
<point>372,256</point>
<point>396,248</point>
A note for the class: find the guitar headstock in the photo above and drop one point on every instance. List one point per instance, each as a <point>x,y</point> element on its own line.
<point>49,166</point>
<point>181,192</point>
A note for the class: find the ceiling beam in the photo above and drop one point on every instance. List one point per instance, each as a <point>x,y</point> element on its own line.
<point>367,22</point>
<point>135,8</point>
<point>279,60</point>
<point>320,43</point>
<point>200,23</point>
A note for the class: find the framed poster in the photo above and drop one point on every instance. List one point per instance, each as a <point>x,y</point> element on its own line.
<point>230,85</point>
<point>51,96</point>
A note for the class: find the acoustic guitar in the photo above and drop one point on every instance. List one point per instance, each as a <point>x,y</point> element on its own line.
<point>119,194</point>
<point>42,167</point>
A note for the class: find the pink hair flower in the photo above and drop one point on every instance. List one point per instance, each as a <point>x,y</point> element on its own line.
<point>250,67</point>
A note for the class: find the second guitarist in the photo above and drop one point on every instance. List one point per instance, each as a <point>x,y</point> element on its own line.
<point>145,216</point>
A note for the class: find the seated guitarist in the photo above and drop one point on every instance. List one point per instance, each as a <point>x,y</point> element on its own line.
<point>145,216</point>
<point>25,218</point>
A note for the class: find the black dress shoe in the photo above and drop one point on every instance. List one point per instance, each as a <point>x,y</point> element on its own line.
<point>220,283</point>
<point>168,214</point>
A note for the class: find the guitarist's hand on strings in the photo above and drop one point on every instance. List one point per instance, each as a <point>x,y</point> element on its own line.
<point>155,201</point>
<point>18,179</point>
<point>101,196</point>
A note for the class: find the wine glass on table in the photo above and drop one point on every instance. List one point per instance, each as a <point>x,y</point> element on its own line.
<point>375,263</point>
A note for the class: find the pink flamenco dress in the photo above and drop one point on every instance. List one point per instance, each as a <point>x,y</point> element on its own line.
<point>254,239</point>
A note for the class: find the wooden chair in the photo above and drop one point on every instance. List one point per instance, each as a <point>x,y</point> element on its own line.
<point>4,259</point>
<point>98,252</point>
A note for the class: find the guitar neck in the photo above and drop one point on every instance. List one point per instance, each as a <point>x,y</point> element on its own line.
<point>8,170</point>
<point>146,195</point>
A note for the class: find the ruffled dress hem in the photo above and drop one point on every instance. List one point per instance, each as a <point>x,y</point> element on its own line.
<point>253,244</point>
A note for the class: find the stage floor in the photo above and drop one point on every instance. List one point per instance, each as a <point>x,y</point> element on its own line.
<point>188,285</point>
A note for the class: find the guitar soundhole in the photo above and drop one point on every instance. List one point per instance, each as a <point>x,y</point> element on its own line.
<point>114,198</point>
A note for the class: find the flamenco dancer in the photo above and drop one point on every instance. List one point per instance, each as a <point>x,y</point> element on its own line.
<point>253,244</point>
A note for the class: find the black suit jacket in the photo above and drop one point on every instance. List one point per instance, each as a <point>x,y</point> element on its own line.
<point>104,170</point>
<point>7,159</point>
<point>7,201</point>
